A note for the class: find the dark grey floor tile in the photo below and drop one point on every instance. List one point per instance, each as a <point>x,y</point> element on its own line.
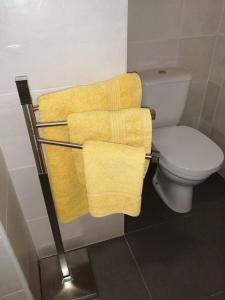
<point>218,296</point>
<point>209,224</point>
<point>206,195</point>
<point>209,193</point>
<point>82,287</point>
<point>115,271</point>
<point>176,263</point>
<point>153,210</point>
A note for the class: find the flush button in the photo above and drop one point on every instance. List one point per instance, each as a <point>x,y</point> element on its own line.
<point>162,72</point>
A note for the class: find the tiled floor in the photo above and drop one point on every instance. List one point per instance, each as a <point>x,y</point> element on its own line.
<point>164,255</point>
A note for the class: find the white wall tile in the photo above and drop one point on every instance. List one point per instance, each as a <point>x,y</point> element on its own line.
<point>219,139</point>
<point>9,281</point>
<point>42,236</point>
<point>20,295</point>
<point>4,187</point>
<point>195,98</point>
<point>14,138</point>
<point>98,229</point>
<point>150,19</point>
<point>201,16</point>
<point>152,54</point>
<point>193,24</point>
<point>205,127</point>
<point>16,232</point>
<point>74,69</point>
<point>194,103</point>
<point>84,231</point>
<point>21,242</point>
<point>12,278</point>
<point>222,27</point>
<point>210,101</point>
<point>217,72</point>
<point>29,192</point>
<point>219,117</point>
<point>195,55</point>
<point>59,43</point>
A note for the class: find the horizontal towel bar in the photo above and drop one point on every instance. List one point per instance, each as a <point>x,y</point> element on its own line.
<point>49,124</point>
<point>64,123</point>
<point>154,155</point>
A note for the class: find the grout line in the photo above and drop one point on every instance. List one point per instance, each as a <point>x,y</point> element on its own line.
<point>207,82</point>
<point>22,167</point>
<point>181,27</point>
<point>143,228</point>
<point>180,30</point>
<point>218,34</point>
<point>216,83</point>
<point>11,294</point>
<point>18,271</point>
<point>8,94</point>
<point>85,245</point>
<point>39,275</point>
<point>204,96</point>
<point>37,90</point>
<point>37,218</point>
<point>176,219</point>
<point>178,37</point>
<point>212,249</point>
<point>221,20</point>
<point>138,267</point>
<point>216,294</point>
<point>127,28</point>
<point>216,107</point>
<point>161,223</point>
<point>7,202</point>
<point>223,176</point>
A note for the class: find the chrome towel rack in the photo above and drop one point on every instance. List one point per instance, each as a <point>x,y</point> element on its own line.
<point>80,290</point>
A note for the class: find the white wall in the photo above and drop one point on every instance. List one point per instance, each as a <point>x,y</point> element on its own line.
<point>19,268</point>
<point>15,242</point>
<point>176,33</point>
<point>56,43</point>
<point>212,121</point>
<point>12,281</point>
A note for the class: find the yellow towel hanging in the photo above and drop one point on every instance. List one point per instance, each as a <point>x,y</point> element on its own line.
<point>122,91</point>
<point>132,126</point>
<point>114,178</point>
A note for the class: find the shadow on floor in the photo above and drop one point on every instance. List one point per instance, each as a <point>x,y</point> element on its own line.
<point>154,211</point>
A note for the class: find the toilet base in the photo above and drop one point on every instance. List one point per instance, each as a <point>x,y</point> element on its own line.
<point>176,195</point>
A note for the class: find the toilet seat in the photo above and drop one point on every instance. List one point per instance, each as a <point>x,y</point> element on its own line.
<point>186,152</point>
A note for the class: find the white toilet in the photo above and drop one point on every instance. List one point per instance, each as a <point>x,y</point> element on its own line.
<point>187,157</point>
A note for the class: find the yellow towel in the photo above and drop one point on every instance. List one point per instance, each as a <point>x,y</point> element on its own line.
<point>114,178</point>
<point>130,126</point>
<point>121,92</point>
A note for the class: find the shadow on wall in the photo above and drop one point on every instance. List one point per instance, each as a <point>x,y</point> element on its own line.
<point>19,272</point>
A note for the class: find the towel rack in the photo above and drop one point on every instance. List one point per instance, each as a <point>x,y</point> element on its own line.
<point>153,112</point>
<point>81,290</point>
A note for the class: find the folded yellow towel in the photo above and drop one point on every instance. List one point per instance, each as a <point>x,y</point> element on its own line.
<point>121,92</point>
<point>114,178</point>
<point>130,126</point>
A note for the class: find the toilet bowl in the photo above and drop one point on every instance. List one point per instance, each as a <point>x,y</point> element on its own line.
<point>187,156</point>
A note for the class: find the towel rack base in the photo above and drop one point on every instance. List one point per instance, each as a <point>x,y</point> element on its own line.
<point>82,287</point>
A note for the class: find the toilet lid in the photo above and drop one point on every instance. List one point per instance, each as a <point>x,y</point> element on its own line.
<point>187,152</point>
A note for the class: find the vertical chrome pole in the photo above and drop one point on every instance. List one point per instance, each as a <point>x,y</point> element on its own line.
<point>30,118</point>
